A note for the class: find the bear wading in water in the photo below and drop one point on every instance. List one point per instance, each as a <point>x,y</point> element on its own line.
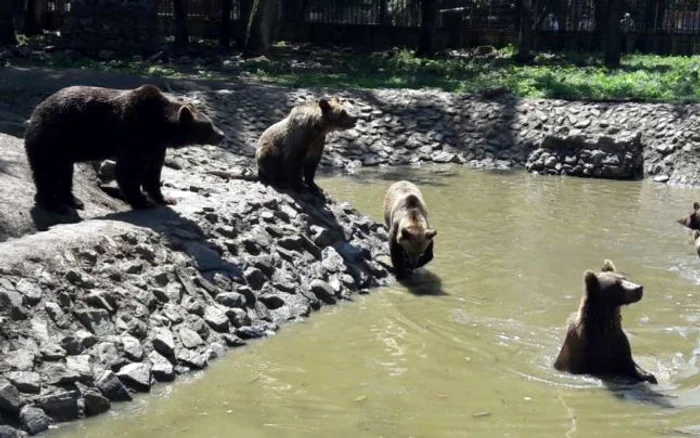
<point>410,235</point>
<point>595,342</point>
<point>81,123</point>
<point>692,221</point>
<point>290,151</point>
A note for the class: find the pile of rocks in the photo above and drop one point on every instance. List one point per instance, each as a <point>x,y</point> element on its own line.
<point>110,27</point>
<point>602,157</point>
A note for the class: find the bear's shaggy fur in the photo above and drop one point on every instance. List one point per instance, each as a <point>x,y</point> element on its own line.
<point>595,342</point>
<point>692,221</point>
<point>83,123</point>
<point>291,149</point>
<point>410,235</point>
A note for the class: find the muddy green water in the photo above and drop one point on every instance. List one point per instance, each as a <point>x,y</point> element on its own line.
<point>467,350</point>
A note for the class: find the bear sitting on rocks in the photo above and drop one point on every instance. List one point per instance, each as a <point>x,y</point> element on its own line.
<point>692,221</point>
<point>595,342</point>
<point>83,123</point>
<point>292,148</point>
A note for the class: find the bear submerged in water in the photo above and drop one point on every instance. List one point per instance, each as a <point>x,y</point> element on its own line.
<point>83,123</point>
<point>595,342</point>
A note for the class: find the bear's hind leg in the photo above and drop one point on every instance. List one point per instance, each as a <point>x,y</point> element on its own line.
<point>48,184</point>
<point>129,174</point>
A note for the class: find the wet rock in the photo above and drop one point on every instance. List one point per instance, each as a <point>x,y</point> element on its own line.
<point>250,332</point>
<point>9,397</point>
<point>217,319</point>
<point>323,291</point>
<point>25,381</point>
<point>62,406</point>
<point>233,341</point>
<point>95,403</point>
<point>111,387</point>
<point>33,420</point>
<point>136,376</point>
<point>271,301</point>
<point>192,359</point>
<point>162,369</point>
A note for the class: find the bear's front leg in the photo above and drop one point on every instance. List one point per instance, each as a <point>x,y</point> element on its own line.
<point>151,179</point>
<point>129,174</point>
<point>644,376</point>
<point>310,166</point>
<point>398,259</point>
<point>426,257</point>
<point>294,175</point>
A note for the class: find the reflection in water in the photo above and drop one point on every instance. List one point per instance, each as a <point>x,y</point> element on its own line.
<point>465,346</point>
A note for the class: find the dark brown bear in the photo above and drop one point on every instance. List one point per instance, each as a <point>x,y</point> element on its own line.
<point>90,123</point>
<point>692,221</point>
<point>290,151</point>
<point>595,342</point>
<point>410,237</point>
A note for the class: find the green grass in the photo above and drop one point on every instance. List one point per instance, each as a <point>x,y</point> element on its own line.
<point>569,76</point>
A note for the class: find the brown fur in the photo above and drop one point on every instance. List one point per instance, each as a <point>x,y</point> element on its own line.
<point>692,221</point>
<point>410,235</point>
<point>696,238</point>
<point>291,149</point>
<point>136,126</point>
<point>595,342</point>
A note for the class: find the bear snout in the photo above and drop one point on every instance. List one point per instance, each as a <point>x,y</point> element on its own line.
<point>634,291</point>
<point>217,136</point>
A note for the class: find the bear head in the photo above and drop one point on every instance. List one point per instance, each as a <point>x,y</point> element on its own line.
<point>692,221</point>
<point>415,240</point>
<point>335,116</point>
<point>194,127</point>
<point>611,287</point>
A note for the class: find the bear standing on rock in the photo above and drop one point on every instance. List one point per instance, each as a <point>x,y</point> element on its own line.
<point>595,342</point>
<point>83,123</point>
<point>410,235</point>
<point>692,221</point>
<point>291,149</point>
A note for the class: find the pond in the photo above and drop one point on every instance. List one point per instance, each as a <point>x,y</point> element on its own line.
<point>467,348</point>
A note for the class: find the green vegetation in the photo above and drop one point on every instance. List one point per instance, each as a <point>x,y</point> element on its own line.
<point>570,76</point>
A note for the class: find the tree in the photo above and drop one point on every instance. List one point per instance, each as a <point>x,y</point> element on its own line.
<point>612,41</point>
<point>32,14</point>
<point>225,32</point>
<point>428,28</point>
<point>524,31</point>
<point>258,39</point>
<point>7,26</point>
<point>182,37</point>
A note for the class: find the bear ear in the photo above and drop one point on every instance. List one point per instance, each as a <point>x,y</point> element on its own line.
<point>184,114</point>
<point>325,105</point>
<point>696,205</point>
<point>429,234</point>
<point>590,279</point>
<point>608,266</point>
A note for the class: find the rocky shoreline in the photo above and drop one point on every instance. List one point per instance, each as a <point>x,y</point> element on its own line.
<point>92,312</point>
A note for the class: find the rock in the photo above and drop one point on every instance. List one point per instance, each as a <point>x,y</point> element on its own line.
<point>137,376</point>
<point>323,291</point>
<point>95,403</point>
<point>62,406</point>
<point>59,374</point>
<point>661,178</point>
<point>190,338</point>
<point>192,360</point>
<point>217,319</point>
<point>33,420</point>
<point>162,369</point>
<point>81,366</point>
<point>32,292</point>
<point>271,301</point>
<point>322,237</point>
<point>21,360</point>
<point>255,278</point>
<point>231,299</point>
<point>56,314</point>
<point>107,355</point>
<point>9,397</point>
<point>238,317</point>
<point>164,343</point>
<point>86,338</point>
<point>111,387</point>
<point>233,341</point>
<point>25,381</point>
<point>107,169</point>
<point>95,320</point>
<point>51,352</point>
<point>132,348</point>
<point>250,332</point>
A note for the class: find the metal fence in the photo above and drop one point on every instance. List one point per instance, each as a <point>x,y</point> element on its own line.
<point>652,17</point>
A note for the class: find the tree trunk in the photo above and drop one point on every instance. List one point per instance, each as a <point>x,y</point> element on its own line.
<point>600,22</point>
<point>384,12</point>
<point>182,37</point>
<point>258,39</point>
<point>244,8</point>
<point>428,28</point>
<point>613,34</point>
<point>32,12</point>
<point>7,26</point>
<point>225,32</point>
<point>525,31</point>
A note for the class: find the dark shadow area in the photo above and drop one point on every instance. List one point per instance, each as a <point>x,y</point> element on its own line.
<point>44,219</point>
<point>638,393</point>
<point>423,282</point>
